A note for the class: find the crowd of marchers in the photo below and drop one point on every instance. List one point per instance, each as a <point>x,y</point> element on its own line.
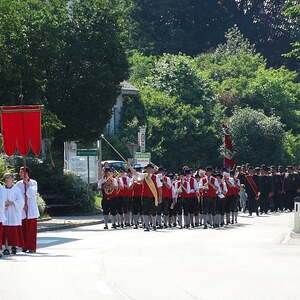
<point>152,198</point>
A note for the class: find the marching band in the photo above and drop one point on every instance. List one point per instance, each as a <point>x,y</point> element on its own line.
<point>207,198</point>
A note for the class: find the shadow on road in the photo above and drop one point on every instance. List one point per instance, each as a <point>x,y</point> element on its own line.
<point>44,242</point>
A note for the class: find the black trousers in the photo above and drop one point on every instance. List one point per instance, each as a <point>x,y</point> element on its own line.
<point>277,200</point>
<point>221,204</point>
<point>148,206</point>
<point>289,199</point>
<point>106,206</point>
<point>165,206</point>
<point>252,204</point>
<point>136,205</point>
<point>209,205</point>
<point>189,205</point>
<point>118,205</point>
<point>178,206</point>
<point>264,203</point>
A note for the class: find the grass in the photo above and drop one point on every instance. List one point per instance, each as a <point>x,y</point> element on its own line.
<point>98,201</point>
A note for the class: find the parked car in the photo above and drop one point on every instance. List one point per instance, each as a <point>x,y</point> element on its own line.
<point>115,164</point>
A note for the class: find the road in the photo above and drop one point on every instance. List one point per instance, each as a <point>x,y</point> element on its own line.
<point>252,260</point>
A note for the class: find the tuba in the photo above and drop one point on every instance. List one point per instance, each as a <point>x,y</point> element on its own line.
<point>108,186</point>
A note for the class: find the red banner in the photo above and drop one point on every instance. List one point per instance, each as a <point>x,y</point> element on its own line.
<point>229,162</point>
<point>21,129</point>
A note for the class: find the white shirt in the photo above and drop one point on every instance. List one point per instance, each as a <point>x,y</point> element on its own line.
<point>2,210</point>
<point>31,192</point>
<point>13,213</point>
<point>142,176</point>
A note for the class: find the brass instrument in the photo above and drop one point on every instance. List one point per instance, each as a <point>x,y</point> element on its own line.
<point>108,186</point>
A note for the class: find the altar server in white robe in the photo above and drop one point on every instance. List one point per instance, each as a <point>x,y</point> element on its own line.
<point>14,204</point>
<point>30,214</point>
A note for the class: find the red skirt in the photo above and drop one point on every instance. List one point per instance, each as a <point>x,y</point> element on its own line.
<point>13,235</point>
<point>29,228</point>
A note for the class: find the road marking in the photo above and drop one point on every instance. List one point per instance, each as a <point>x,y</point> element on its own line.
<point>104,288</point>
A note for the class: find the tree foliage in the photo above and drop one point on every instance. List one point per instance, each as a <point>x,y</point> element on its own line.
<point>257,138</point>
<point>68,57</point>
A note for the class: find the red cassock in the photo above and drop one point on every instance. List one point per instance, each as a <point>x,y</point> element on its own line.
<point>21,129</point>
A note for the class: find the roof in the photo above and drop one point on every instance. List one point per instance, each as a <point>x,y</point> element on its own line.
<point>128,89</point>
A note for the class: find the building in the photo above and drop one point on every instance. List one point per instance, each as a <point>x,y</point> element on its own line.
<point>126,90</point>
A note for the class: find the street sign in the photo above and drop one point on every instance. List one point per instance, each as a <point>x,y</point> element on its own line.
<point>142,139</point>
<point>142,158</point>
<point>87,152</point>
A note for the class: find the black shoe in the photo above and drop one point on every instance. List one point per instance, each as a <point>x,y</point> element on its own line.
<point>114,226</point>
<point>250,215</point>
<point>105,227</point>
<point>146,229</point>
<point>160,227</point>
<point>154,228</point>
<point>24,250</point>
<point>136,227</point>
<point>13,250</point>
<point>31,251</point>
<point>6,252</point>
<point>166,226</point>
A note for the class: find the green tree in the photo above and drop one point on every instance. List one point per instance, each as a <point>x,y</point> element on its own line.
<point>257,138</point>
<point>177,133</point>
<point>292,10</point>
<point>69,58</point>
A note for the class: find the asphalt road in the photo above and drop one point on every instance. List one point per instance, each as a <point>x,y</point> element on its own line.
<point>252,260</point>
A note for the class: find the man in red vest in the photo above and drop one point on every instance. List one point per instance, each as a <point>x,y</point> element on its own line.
<point>151,194</point>
<point>210,188</point>
<point>166,198</point>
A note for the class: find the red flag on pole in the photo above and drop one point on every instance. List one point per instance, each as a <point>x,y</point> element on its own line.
<point>229,162</point>
<point>21,129</point>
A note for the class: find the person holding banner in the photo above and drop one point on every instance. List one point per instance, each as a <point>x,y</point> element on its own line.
<point>14,204</point>
<point>29,188</point>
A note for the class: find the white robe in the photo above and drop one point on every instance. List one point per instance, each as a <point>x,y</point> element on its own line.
<point>31,192</point>
<point>2,210</point>
<point>13,213</point>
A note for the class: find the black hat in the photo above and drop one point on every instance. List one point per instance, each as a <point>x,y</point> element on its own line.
<point>209,169</point>
<point>161,169</point>
<point>107,170</point>
<point>189,171</point>
<point>138,169</point>
<point>149,166</point>
<point>219,175</point>
<point>181,172</point>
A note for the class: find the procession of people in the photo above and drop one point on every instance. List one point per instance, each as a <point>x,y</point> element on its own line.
<point>151,198</point>
<point>18,214</point>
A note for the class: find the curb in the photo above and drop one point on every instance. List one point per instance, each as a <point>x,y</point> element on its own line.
<point>294,235</point>
<point>69,226</point>
<point>44,219</point>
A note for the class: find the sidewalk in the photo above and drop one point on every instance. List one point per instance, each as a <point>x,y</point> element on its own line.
<point>59,223</point>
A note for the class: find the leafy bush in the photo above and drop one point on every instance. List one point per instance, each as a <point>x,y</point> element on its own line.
<point>52,181</point>
<point>41,204</point>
